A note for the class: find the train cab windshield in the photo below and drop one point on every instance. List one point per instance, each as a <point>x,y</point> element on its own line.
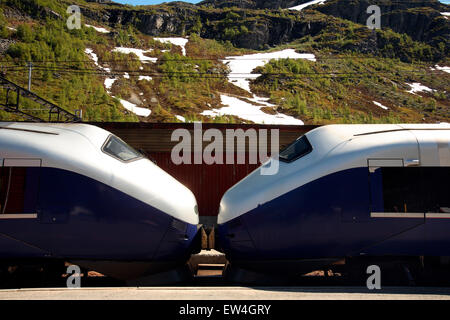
<point>296,150</point>
<point>118,149</point>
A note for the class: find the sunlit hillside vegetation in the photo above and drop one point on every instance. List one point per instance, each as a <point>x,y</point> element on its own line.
<point>356,69</point>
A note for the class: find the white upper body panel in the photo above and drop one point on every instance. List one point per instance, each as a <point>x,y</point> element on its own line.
<point>77,148</point>
<point>337,148</point>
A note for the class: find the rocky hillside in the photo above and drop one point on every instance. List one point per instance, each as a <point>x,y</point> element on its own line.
<point>261,29</point>
<point>252,4</point>
<point>421,20</point>
<point>233,61</point>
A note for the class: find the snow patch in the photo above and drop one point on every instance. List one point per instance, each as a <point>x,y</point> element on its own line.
<point>148,78</point>
<point>244,110</point>
<point>418,87</point>
<point>181,42</point>
<point>240,75</point>
<point>181,118</point>
<point>138,52</point>
<point>143,112</point>
<point>92,55</point>
<point>109,83</point>
<point>11,28</point>
<point>126,75</point>
<point>307,4</point>
<point>98,29</point>
<point>243,65</point>
<point>380,105</point>
<point>261,100</point>
<point>437,67</point>
<point>94,58</point>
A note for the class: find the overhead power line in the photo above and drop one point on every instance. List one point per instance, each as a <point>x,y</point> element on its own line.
<point>233,77</point>
<point>189,59</point>
<point>196,73</point>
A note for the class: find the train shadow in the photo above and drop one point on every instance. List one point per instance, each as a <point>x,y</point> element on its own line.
<point>318,283</point>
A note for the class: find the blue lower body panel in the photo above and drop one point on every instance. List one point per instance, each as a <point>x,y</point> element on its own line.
<point>330,218</point>
<point>81,218</point>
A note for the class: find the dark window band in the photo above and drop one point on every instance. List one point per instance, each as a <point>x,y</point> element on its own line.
<point>296,150</point>
<point>118,149</point>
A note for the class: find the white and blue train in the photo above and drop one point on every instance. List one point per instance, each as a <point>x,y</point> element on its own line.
<point>343,191</point>
<point>77,193</point>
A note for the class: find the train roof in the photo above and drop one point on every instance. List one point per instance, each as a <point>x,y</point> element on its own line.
<point>328,137</point>
<point>343,132</point>
<point>337,148</point>
<point>77,147</point>
<point>41,131</point>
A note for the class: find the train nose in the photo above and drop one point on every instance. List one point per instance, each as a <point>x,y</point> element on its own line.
<point>182,236</point>
<point>234,239</point>
<point>243,210</point>
<point>157,188</point>
<point>233,236</point>
<point>175,202</point>
<point>251,192</point>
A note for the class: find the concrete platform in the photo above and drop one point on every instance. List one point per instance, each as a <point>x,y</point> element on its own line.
<point>228,293</point>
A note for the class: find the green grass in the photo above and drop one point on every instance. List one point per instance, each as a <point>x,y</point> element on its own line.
<point>342,90</point>
<point>354,67</point>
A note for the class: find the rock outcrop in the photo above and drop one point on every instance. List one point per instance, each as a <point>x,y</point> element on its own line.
<point>252,4</point>
<point>260,30</point>
<point>5,44</point>
<point>421,20</point>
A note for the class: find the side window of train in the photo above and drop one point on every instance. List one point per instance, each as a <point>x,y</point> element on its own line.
<point>19,184</point>
<point>299,148</point>
<point>410,189</point>
<point>118,149</point>
<point>436,189</point>
<point>402,189</point>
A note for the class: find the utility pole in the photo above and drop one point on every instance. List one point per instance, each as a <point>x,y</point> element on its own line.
<point>30,65</point>
<point>79,113</point>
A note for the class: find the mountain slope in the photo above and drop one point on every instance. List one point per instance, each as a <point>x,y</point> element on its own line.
<point>252,4</point>
<point>259,29</point>
<point>169,63</point>
<point>421,20</point>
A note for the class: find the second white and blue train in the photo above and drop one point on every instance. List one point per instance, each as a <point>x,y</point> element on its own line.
<point>343,191</point>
